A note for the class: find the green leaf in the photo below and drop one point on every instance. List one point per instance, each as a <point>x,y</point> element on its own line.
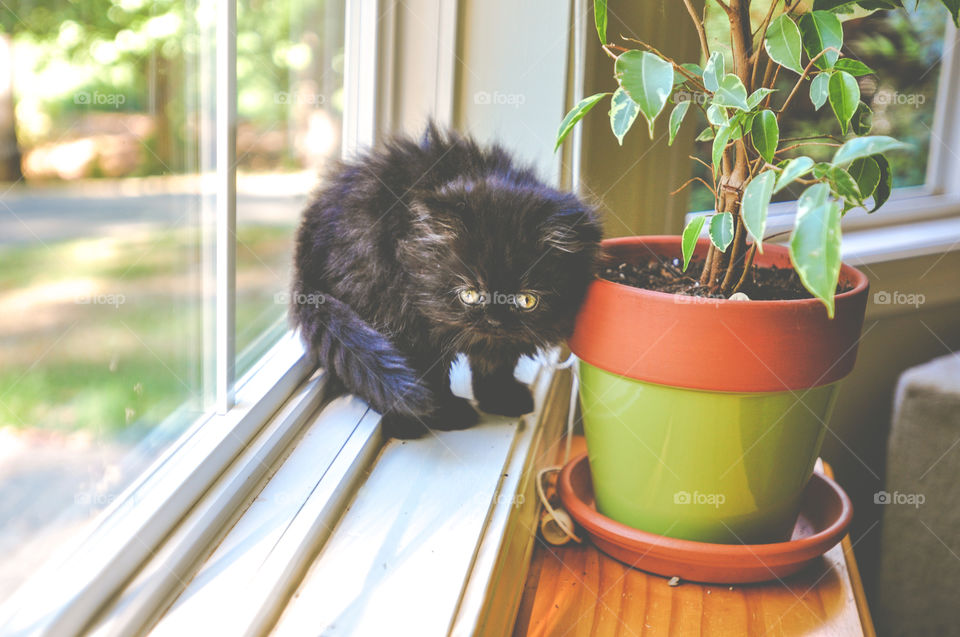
<point>600,19</point>
<point>819,89</point>
<point>623,112</point>
<point>864,147</point>
<point>713,71</point>
<point>866,172</point>
<point>821,30</point>
<point>844,97</point>
<point>815,244</point>
<point>766,134</point>
<point>721,230</point>
<point>783,43</point>
<point>821,168</point>
<point>757,96</point>
<point>705,135</point>
<point>756,203</point>
<point>692,69</point>
<point>740,124</point>
<point>844,185</point>
<point>689,239</point>
<point>731,92</point>
<point>676,118</point>
<point>953,6</point>
<point>845,6</point>
<point>648,79</point>
<point>862,120</point>
<point>575,115</point>
<point>716,115</point>
<point>719,144</point>
<point>793,169</point>
<point>853,67</point>
<point>873,5</point>
<point>882,193</point>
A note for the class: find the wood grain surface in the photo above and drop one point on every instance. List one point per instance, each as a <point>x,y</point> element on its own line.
<point>577,591</point>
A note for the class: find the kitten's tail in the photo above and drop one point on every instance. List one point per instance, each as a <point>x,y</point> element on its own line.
<point>365,362</point>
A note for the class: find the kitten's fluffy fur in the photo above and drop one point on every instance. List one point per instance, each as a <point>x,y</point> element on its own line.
<point>388,246</point>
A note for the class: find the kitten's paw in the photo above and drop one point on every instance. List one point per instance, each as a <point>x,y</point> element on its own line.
<point>455,413</point>
<point>506,397</point>
<point>403,427</point>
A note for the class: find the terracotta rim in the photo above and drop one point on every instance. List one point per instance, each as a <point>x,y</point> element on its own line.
<point>692,553</point>
<point>685,341</point>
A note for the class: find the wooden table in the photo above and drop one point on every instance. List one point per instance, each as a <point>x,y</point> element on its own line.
<point>577,591</point>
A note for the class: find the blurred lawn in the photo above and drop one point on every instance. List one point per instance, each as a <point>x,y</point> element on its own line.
<point>130,360</point>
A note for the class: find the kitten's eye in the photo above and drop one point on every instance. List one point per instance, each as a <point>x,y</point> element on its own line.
<point>527,301</point>
<point>470,296</point>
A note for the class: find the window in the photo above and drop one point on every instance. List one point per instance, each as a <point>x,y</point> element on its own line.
<point>119,326</point>
<point>912,51</point>
<point>267,460</point>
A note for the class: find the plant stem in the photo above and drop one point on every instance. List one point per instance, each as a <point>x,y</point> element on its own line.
<point>736,173</point>
<point>746,267</point>
<point>802,144</point>
<point>796,86</point>
<point>739,245</point>
<point>707,265</point>
<point>701,32</point>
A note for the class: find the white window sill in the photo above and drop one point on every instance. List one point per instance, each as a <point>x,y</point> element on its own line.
<point>362,537</point>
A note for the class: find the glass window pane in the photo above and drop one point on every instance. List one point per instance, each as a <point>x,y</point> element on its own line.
<point>100,258</point>
<point>290,104</point>
<point>904,48</point>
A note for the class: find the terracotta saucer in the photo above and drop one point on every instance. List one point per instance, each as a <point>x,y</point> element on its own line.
<point>825,513</point>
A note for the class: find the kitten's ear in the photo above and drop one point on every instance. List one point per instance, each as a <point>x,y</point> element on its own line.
<point>433,217</point>
<point>573,227</point>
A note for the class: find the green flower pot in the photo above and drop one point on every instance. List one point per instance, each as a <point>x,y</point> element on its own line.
<point>704,418</point>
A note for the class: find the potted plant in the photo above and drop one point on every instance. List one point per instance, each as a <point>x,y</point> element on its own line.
<point>709,366</point>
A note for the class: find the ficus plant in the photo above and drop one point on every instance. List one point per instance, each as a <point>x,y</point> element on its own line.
<point>750,162</point>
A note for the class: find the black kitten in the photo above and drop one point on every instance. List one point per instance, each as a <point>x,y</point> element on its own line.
<point>414,253</point>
